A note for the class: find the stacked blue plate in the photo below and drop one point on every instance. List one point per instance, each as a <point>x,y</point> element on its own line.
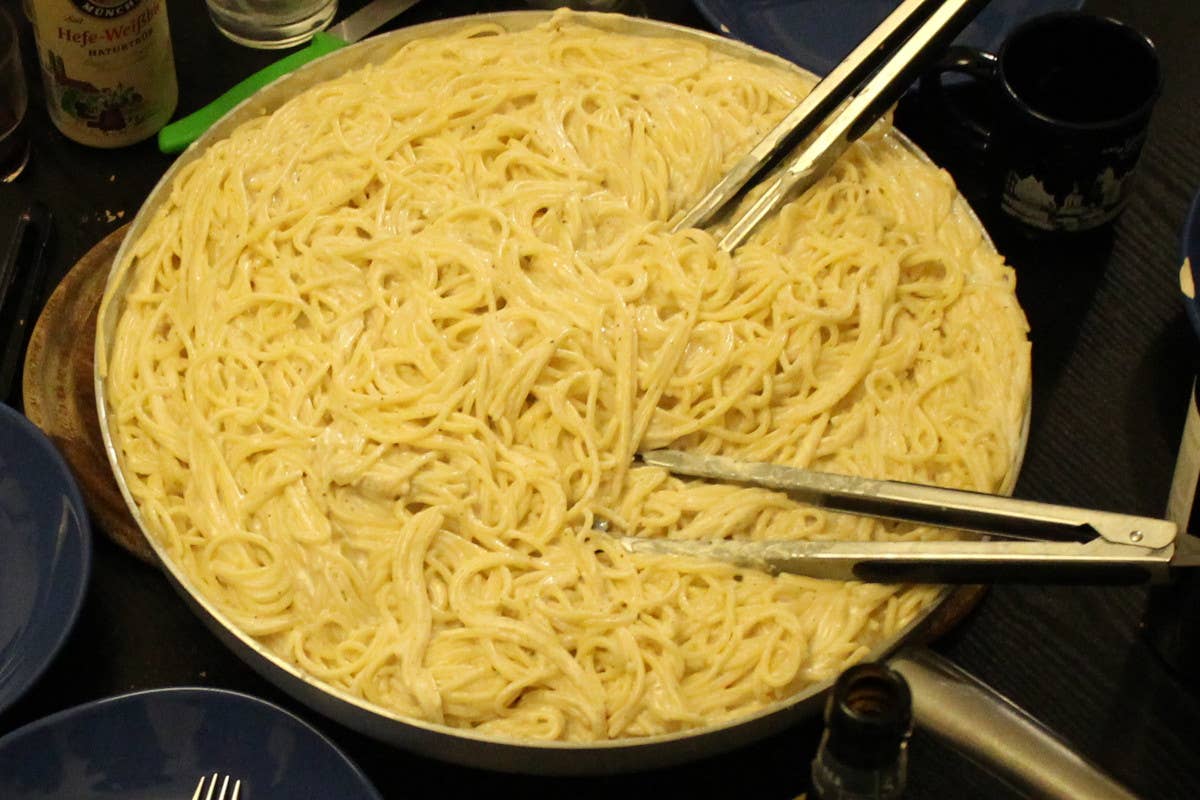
<point>160,744</point>
<point>45,554</point>
<point>1189,272</point>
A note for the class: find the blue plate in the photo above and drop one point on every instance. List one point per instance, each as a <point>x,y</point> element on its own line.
<point>45,553</point>
<point>158,744</point>
<point>816,34</point>
<point>1189,254</point>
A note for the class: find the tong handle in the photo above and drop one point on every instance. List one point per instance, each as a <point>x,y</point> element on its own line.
<point>969,562</point>
<point>930,505</point>
<point>896,72</point>
<point>841,82</point>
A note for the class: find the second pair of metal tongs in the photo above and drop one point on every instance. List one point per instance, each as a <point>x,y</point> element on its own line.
<point>839,109</point>
<point>1057,544</point>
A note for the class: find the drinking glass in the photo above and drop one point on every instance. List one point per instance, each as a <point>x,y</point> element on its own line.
<point>14,99</point>
<point>271,24</point>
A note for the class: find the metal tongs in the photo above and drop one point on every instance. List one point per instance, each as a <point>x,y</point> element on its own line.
<point>840,109</point>
<point>1047,543</point>
<point>1058,544</point>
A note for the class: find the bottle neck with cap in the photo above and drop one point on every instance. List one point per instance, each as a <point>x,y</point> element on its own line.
<point>868,721</point>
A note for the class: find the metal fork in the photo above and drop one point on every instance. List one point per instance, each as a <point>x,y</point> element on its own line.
<point>212,787</point>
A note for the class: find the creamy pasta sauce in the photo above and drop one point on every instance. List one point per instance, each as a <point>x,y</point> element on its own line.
<point>387,354</point>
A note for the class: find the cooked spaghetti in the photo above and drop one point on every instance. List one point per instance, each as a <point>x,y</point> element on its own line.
<point>386,356</point>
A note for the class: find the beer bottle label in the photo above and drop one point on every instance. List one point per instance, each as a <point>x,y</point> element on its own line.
<point>107,66</point>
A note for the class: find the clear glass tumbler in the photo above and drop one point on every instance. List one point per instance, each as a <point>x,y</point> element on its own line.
<point>271,24</point>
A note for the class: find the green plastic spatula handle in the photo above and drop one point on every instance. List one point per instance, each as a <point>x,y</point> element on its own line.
<point>182,132</point>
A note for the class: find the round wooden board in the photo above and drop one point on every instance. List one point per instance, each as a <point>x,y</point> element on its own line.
<point>60,397</point>
<point>959,602</point>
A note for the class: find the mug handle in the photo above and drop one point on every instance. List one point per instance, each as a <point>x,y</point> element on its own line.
<point>979,65</point>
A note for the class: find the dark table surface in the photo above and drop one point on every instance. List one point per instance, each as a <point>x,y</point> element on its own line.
<point>1113,359</point>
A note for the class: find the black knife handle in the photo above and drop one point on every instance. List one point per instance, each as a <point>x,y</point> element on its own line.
<point>22,278</point>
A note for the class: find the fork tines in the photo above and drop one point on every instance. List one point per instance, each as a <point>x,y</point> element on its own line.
<point>213,793</point>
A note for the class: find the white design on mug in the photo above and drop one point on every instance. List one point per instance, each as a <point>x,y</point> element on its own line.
<point>1027,199</point>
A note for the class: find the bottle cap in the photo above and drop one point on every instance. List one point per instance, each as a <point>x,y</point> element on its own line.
<point>868,716</point>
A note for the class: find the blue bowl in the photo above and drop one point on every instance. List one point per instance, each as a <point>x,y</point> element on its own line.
<point>158,744</point>
<point>45,553</point>
<point>1189,273</point>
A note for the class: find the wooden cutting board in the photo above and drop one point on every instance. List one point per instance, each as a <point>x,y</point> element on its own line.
<point>60,397</point>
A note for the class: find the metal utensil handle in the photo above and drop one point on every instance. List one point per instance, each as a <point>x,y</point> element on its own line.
<point>989,729</point>
<point>22,279</point>
<point>842,81</point>
<point>930,505</point>
<point>883,89</point>
<point>1094,562</point>
<point>369,18</point>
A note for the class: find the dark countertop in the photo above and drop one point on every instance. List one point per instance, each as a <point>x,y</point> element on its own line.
<point>1113,359</point>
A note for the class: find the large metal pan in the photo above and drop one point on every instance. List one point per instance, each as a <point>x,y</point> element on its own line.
<point>455,745</point>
